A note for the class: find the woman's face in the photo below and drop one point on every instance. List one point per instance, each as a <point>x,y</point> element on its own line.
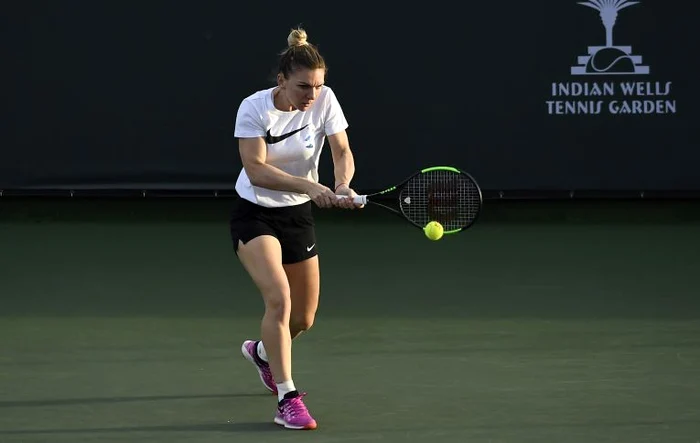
<point>301,88</point>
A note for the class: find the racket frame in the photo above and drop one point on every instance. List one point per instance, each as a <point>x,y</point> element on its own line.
<point>367,198</point>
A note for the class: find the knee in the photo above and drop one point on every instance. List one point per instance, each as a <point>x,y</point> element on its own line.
<point>278,304</point>
<point>302,323</point>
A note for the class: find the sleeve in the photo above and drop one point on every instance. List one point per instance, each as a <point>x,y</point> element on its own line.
<point>249,123</point>
<point>335,119</point>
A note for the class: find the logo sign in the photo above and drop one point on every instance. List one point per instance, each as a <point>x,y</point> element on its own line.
<point>610,79</point>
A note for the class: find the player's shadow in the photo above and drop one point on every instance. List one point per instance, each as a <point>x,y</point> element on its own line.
<point>113,400</point>
<point>266,426</point>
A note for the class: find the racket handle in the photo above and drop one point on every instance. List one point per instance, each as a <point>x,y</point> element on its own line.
<point>358,200</point>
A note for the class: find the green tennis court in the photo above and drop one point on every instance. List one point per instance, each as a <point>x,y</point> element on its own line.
<point>545,322</point>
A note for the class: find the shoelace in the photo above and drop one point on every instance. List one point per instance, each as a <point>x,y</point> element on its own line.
<point>295,406</point>
<point>266,370</point>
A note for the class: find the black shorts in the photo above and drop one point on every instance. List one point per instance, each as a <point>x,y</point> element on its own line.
<point>293,226</point>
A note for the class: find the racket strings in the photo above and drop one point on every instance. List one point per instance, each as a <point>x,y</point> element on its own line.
<point>448,197</point>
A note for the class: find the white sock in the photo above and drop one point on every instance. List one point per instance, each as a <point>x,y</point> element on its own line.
<point>261,351</point>
<point>283,388</point>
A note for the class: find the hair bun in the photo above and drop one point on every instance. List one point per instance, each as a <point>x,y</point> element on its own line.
<point>297,37</point>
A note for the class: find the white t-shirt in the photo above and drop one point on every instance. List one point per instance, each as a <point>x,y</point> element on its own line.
<point>294,141</point>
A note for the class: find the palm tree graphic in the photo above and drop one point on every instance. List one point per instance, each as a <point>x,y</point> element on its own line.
<point>608,14</point>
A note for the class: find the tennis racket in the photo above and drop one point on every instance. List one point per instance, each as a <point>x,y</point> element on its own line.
<point>441,193</point>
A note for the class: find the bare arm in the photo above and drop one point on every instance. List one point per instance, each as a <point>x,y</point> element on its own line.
<point>254,155</point>
<point>343,168</point>
<point>343,160</point>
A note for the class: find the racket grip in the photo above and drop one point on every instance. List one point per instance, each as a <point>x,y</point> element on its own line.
<point>358,199</point>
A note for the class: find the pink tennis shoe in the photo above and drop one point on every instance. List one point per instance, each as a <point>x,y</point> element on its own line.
<point>291,411</point>
<point>292,414</point>
<point>250,352</point>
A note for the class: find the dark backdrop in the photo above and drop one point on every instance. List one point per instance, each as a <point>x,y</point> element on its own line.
<point>144,94</point>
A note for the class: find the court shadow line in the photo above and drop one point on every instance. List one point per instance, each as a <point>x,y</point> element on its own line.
<point>267,426</point>
<point>505,349</point>
<point>111,400</point>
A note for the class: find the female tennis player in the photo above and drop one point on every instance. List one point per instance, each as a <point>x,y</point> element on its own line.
<point>281,131</point>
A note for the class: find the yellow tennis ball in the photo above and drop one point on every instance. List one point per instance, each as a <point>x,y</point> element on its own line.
<point>434,230</point>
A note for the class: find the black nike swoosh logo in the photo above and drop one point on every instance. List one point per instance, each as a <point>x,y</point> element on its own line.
<point>272,139</point>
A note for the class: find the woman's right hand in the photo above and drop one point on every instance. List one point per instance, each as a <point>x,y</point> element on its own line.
<point>323,196</point>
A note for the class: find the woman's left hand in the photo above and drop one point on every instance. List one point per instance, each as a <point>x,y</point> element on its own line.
<point>347,203</point>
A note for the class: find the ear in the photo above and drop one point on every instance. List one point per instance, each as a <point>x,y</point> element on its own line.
<point>281,80</point>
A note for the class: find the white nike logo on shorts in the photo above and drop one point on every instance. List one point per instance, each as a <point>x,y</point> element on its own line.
<point>309,248</point>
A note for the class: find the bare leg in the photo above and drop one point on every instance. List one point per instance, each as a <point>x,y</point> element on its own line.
<point>304,284</point>
<point>262,258</point>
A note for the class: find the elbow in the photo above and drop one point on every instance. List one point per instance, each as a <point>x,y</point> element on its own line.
<point>256,175</point>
